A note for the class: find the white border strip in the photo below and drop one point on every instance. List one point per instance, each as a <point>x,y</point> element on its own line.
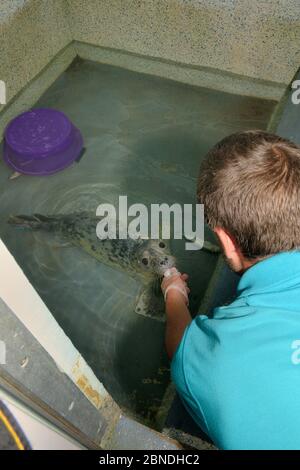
<point>20,296</point>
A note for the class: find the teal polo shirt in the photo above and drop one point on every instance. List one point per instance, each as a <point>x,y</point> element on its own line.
<point>238,373</point>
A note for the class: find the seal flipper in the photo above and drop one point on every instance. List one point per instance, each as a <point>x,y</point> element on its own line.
<point>34,222</point>
<point>150,302</point>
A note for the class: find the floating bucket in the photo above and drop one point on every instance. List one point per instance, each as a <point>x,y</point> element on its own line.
<point>41,142</point>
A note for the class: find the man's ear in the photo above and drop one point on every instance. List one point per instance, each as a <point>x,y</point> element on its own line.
<point>230,249</point>
<point>227,242</point>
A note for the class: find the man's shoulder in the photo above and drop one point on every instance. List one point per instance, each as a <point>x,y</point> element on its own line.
<point>209,347</point>
<point>209,330</point>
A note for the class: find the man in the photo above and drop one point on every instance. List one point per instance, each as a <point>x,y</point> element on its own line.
<point>238,373</point>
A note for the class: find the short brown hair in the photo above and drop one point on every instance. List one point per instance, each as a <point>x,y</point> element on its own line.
<point>249,184</point>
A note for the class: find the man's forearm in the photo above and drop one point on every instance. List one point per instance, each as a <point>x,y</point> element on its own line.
<point>178,318</point>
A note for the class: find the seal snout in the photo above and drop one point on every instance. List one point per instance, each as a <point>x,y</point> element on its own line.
<point>166,263</point>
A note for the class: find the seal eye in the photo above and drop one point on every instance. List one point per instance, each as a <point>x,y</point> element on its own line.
<point>162,245</point>
<point>145,261</point>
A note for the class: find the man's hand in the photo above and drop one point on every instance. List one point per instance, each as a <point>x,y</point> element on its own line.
<point>175,290</point>
<point>174,284</point>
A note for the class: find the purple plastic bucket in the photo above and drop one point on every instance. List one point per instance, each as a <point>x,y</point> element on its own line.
<point>41,142</point>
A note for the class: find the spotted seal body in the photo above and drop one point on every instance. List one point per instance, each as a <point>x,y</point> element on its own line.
<point>144,260</point>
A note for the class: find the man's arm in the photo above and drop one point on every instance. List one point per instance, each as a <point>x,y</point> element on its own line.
<point>177,312</point>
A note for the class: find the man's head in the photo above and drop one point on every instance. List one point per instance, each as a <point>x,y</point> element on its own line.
<point>249,184</point>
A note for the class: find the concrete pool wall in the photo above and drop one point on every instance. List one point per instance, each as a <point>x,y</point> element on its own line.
<point>32,32</point>
<point>237,36</point>
<point>230,37</point>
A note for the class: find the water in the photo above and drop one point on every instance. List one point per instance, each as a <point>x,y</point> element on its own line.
<point>144,137</point>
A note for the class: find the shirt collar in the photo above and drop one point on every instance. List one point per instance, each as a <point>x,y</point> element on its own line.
<point>278,272</point>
